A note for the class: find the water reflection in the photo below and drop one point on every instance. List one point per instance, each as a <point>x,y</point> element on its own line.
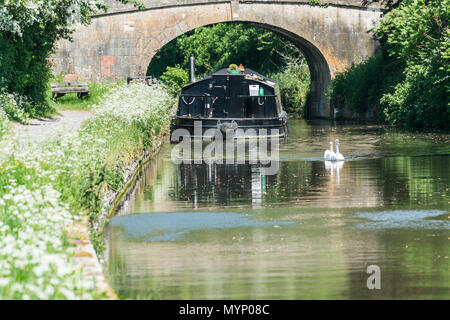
<point>332,167</point>
<point>171,226</point>
<point>297,183</point>
<point>415,219</point>
<point>228,230</point>
<point>222,184</point>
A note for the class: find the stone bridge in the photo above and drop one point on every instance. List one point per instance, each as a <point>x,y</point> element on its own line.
<point>121,43</point>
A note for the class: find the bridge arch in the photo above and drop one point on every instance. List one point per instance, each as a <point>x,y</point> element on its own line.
<point>122,43</point>
<point>320,73</point>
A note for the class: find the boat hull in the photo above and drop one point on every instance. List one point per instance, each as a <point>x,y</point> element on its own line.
<point>226,128</point>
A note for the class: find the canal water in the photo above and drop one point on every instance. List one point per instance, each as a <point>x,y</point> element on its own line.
<point>310,231</point>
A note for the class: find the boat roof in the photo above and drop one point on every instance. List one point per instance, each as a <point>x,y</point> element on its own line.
<point>248,73</point>
<point>224,71</point>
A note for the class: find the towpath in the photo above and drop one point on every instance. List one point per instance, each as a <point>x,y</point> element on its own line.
<point>39,130</point>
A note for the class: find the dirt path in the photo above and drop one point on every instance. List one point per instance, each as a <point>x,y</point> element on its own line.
<point>41,129</point>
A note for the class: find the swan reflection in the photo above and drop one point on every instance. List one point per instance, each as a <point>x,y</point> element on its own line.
<point>333,166</point>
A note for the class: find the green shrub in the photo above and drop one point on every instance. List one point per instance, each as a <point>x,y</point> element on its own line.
<point>14,106</point>
<point>294,83</point>
<point>418,101</point>
<point>175,78</point>
<point>24,67</point>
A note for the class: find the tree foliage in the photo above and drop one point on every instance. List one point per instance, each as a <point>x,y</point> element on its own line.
<point>216,47</point>
<point>414,65</point>
<point>417,32</point>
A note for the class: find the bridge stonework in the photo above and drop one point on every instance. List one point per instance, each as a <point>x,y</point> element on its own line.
<point>122,42</point>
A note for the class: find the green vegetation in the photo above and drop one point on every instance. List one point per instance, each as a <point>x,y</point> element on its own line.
<point>29,30</point>
<point>365,83</point>
<point>220,45</point>
<point>418,33</point>
<point>14,106</point>
<point>175,78</point>
<point>317,3</point>
<point>45,189</point>
<point>414,63</point>
<point>294,81</point>
<point>3,122</point>
<point>223,44</point>
<point>126,123</point>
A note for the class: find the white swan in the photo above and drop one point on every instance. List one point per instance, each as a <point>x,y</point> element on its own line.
<point>339,156</point>
<point>329,154</point>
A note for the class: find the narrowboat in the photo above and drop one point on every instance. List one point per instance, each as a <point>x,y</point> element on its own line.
<point>236,102</point>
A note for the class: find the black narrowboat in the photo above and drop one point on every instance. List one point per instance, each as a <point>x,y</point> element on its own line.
<point>237,102</point>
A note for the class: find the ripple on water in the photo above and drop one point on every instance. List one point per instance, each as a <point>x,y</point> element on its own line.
<point>172,226</point>
<point>402,219</point>
<point>346,158</point>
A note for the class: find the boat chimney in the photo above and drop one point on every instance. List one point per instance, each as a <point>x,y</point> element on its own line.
<point>191,69</point>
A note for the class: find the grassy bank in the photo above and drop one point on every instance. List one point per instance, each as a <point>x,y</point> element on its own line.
<point>47,188</point>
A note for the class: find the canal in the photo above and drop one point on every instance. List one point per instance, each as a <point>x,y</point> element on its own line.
<point>309,231</point>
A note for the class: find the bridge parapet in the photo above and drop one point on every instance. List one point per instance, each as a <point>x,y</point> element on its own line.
<point>117,7</point>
